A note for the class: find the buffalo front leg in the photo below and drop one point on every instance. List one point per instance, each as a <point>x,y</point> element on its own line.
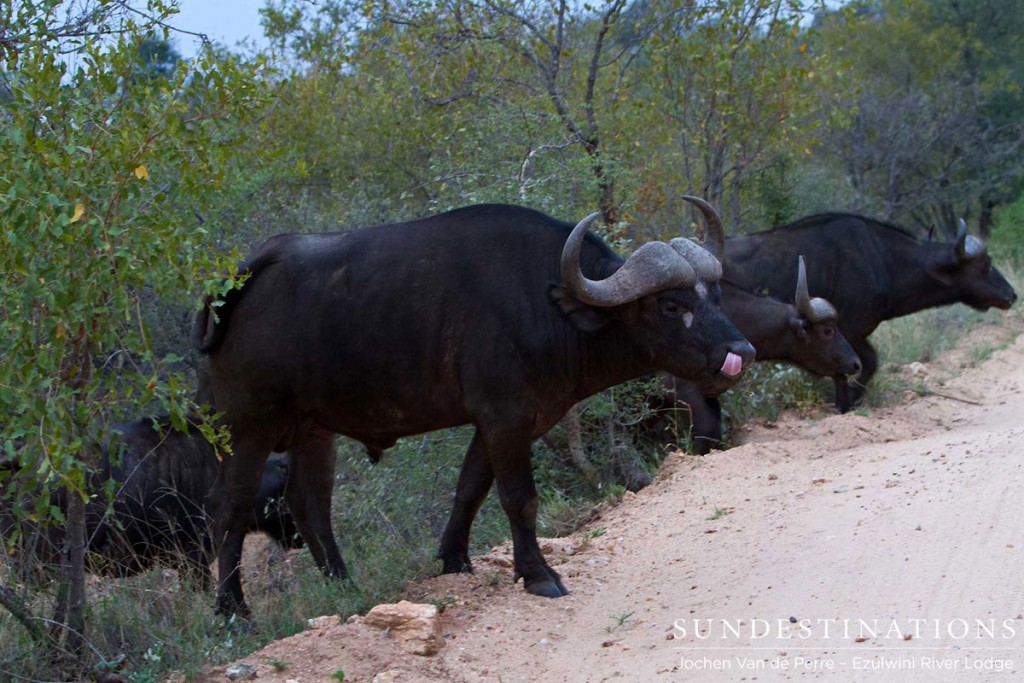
<point>707,424</point>
<point>308,494</point>
<point>509,455</point>
<point>869,365</point>
<point>847,393</point>
<point>705,416</point>
<point>844,397</point>
<point>475,479</point>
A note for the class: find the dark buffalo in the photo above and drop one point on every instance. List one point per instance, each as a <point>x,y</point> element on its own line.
<point>804,334</point>
<point>157,513</point>
<point>871,272</point>
<point>484,315</point>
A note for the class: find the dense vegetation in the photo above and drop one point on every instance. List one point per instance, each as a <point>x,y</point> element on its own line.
<point>134,176</point>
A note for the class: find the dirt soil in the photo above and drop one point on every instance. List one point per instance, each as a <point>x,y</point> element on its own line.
<point>892,537</point>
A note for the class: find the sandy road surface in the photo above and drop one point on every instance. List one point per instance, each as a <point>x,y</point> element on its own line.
<point>895,539</point>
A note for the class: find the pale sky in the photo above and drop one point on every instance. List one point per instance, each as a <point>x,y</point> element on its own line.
<point>223,21</point>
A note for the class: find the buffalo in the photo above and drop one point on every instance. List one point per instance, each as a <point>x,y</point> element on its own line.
<point>804,334</point>
<point>871,272</point>
<point>156,515</point>
<point>492,315</point>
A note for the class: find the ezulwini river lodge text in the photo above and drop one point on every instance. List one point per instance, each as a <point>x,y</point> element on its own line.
<point>879,662</point>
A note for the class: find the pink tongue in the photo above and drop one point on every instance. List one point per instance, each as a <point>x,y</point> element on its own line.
<point>733,365</point>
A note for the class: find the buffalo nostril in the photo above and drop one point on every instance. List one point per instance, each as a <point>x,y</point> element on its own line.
<point>744,350</point>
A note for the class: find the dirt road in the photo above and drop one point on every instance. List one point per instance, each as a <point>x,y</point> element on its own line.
<point>881,546</point>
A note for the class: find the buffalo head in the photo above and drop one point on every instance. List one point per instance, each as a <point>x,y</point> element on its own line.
<point>667,296</point>
<point>272,515</point>
<point>824,351</point>
<point>966,268</point>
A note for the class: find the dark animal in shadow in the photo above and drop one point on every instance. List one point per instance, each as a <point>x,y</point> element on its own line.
<point>156,515</point>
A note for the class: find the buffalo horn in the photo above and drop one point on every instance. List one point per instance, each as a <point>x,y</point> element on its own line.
<point>714,241</point>
<point>653,267</point>
<point>967,246</point>
<point>816,310</point>
<point>707,267</point>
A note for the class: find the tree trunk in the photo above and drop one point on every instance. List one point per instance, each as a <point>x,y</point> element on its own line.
<point>985,219</point>
<point>605,193</point>
<point>72,589</point>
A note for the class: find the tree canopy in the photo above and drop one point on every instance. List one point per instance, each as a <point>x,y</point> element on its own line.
<point>112,147</point>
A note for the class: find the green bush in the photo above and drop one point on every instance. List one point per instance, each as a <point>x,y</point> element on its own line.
<point>1006,243</point>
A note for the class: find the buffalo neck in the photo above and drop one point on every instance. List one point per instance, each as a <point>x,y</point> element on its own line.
<point>610,355</point>
<point>762,320</point>
<point>913,287</point>
<point>605,358</point>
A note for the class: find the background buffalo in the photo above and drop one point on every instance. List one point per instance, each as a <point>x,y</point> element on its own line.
<point>871,272</point>
<point>804,334</point>
<point>157,515</point>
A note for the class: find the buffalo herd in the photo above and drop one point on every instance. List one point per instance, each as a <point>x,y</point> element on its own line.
<point>502,318</point>
<point>871,272</point>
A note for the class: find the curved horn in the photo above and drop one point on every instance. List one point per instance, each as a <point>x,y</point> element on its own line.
<point>706,266</point>
<point>652,267</point>
<point>817,310</point>
<point>715,239</point>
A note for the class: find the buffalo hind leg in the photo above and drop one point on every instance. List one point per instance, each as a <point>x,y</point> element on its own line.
<point>308,494</point>
<point>509,454</point>
<point>475,479</point>
<point>230,505</point>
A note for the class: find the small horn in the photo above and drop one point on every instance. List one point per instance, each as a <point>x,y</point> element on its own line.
<point>652,267</point>
<point>961,240</point>
<point>714,241</point>
<point>817,310</point>
<point>803,299</point>
<point>967,246</point>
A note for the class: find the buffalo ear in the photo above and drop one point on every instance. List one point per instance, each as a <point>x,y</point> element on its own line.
<point>942,277</point>
<point>946,271</point>
<point>584,317</point>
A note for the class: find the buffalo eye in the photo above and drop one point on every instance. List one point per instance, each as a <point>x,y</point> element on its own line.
<point>828,332</point>
<point>673,309</point>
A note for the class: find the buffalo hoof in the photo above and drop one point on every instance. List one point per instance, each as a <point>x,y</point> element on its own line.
<point>545,582</point>
<point>547,588</point>
<point>457,565</point>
